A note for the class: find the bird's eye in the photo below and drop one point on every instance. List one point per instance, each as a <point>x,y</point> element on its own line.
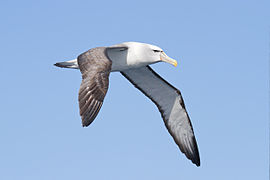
<point>155,50</point>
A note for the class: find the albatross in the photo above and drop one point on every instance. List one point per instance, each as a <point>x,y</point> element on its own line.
<point>132,60</point>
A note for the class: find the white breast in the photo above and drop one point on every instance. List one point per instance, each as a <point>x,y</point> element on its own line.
<point>122,60</point>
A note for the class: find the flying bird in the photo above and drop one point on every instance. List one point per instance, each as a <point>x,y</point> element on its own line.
<point>132,60</point>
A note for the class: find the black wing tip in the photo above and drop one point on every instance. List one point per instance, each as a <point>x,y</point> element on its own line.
<point>196,161</point>
<point>85,123</point>
<point>191,153</point>
<point>195,158</point>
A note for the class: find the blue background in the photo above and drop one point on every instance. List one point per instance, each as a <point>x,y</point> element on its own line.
<point>222,48</point>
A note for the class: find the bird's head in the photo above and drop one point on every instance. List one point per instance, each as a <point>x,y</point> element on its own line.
<point>147,53</point>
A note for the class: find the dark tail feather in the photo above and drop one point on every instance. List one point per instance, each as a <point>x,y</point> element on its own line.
<point>68,64</point>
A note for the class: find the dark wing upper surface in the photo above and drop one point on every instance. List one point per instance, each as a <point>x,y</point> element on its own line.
<point>95,68</point>
<point>171,106</point>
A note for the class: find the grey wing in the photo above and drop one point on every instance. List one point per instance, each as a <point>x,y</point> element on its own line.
<point>95,68</point>
<point>171,106</point>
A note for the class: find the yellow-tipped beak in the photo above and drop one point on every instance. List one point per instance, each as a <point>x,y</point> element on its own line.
<point>165,58</point>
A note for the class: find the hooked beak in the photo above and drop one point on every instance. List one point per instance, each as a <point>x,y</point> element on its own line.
<point>165,58</point>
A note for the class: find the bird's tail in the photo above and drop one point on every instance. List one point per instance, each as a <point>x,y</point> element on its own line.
<point>68,64</point>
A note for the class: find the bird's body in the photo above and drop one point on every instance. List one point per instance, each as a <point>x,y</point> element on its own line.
<point>136,56</point>
<point>132,59</point>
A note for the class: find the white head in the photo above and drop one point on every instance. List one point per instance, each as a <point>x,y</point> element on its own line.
<point>135,54</point>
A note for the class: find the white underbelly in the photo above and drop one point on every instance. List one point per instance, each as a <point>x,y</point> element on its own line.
<point>123,60</point>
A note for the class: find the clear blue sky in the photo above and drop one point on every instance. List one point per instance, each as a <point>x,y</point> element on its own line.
<point>223,53</point>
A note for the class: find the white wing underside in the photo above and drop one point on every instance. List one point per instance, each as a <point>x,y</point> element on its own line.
<point>171,106</point>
